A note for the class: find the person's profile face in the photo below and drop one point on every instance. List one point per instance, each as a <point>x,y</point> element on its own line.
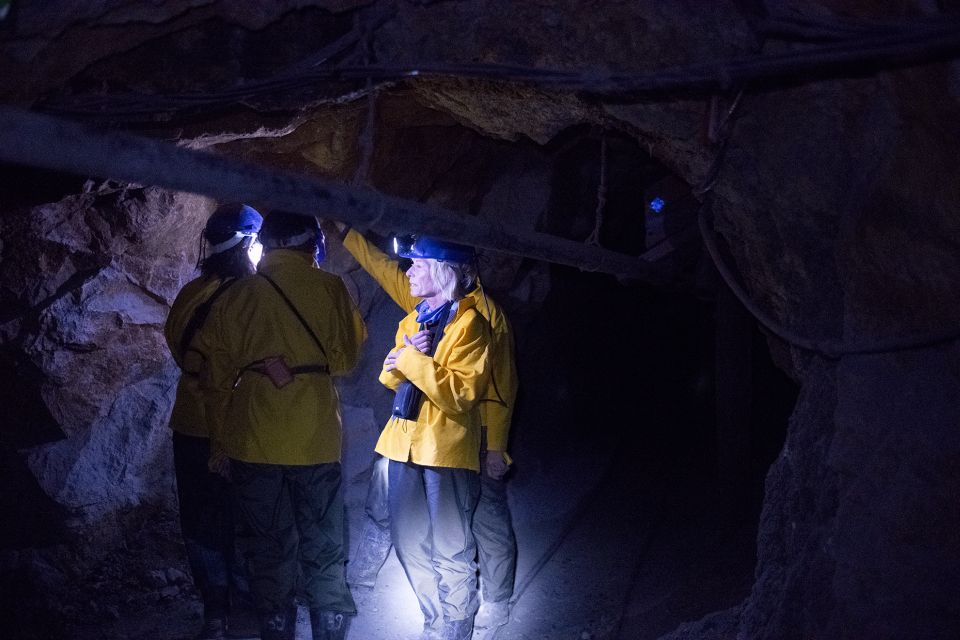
<point>421,280</point>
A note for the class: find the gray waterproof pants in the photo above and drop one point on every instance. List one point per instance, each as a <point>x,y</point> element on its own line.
<point>431,509</point>
<point>496,542</point>
<point>492,528</point>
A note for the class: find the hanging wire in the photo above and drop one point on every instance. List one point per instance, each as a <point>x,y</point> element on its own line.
<point>719,134</point>
<point>830,348</point>
<point>367,133</point>
<point>878,45</point>
<point>594,238</point>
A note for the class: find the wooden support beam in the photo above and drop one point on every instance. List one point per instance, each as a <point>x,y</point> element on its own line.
<point>54,143</point>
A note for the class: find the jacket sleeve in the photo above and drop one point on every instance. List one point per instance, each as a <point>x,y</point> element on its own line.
<point>392,379</point>
<point>181,311</point>
<point>348,330</point>
<point>172,334</point>
<point>496,409</point>
<point>382,268</point>
<point>458,384</point>
<point>218,373</point>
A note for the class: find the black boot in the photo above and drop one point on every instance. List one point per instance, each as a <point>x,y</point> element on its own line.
<point>328,625</point>
<point>216,602</point>
<point>213,629</point>
<point>279,625</point>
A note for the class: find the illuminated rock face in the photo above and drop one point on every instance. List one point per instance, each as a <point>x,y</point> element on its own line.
<point>836,202</point>
<point>92,278</point>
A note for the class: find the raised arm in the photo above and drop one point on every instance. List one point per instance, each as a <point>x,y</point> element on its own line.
<point>385,270</point>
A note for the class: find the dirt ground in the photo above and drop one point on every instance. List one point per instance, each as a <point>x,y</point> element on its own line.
<point>611,546</point>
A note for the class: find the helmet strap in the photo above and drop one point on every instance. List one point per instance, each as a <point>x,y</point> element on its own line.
<point>200,252</point>
<point>229,243</point>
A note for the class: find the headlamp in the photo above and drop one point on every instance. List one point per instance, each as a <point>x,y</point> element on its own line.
<point>402,245</point>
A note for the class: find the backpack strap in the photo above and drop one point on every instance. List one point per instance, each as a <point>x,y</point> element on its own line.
<point>295,312</point>
<point>199,317</point>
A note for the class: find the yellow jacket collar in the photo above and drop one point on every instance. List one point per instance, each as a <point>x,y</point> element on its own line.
<point>278,257</point>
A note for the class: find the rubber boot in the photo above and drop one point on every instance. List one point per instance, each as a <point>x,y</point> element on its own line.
<point>374,548</point>
<point>215,606</point>
<point>328,625</point>
<point>492,614</point>
<point>458,629</point>
<point>278,625</point>
<point>431,632</point>
<point>212,629</point>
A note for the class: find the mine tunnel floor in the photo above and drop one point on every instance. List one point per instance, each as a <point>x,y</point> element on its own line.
<point>613,544</point>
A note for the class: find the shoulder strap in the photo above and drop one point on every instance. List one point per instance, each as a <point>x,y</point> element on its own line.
<point>199,317</point>
<point>295,312</point>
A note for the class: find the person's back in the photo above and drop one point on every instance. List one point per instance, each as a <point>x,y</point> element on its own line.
<point>271,347</point>
<point>279,425</point>
<point>204,498</point>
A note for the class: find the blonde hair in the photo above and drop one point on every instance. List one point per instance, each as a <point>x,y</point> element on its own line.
<point>453,279</point>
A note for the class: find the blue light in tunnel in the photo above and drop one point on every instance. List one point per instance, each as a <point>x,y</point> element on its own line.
<point>657,204</point>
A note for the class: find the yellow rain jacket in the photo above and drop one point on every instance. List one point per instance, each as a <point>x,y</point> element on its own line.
<point>187,416</point>
<point>446,432</point>
<point>496,405</point>
<point>250,418</point>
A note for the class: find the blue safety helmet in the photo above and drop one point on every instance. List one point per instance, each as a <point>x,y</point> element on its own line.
<point>427,247</point>
<point>230,219</point>
<point>228,226</point>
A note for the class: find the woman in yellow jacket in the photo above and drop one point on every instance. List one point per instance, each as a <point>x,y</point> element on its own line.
<point>206,518</point>
<point>439,369</point>
<point>492,523</point>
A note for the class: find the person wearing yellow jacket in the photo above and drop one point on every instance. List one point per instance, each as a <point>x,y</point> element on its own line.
<point>206,516</point>
<point>492,523</point>
<point>272,345</point>
<point>440,370</point>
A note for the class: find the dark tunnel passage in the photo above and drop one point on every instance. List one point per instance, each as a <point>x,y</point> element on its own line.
<point>619,390</point>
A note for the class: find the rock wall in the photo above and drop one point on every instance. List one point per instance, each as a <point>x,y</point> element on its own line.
<point>91,278</point>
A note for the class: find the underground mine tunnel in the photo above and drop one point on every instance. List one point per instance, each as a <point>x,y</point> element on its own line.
<point>726,236</point>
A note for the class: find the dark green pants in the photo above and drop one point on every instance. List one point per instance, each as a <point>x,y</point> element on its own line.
<point>293,521</point>
<point>206,520</point>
